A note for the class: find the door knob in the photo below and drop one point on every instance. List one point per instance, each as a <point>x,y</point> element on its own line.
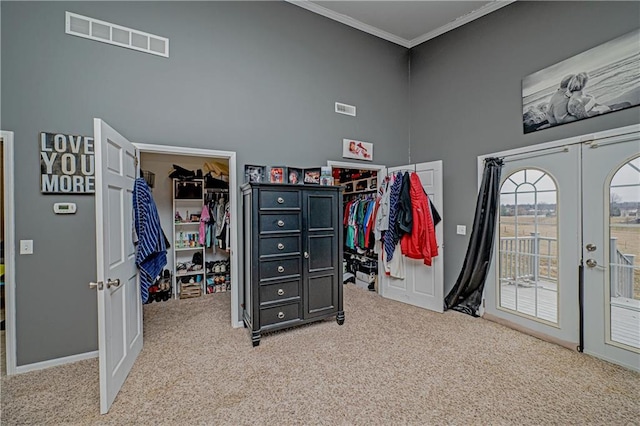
<point>591,263</point>
<point>99,285</point>
<point>113,283</point>
<point>591,247</point>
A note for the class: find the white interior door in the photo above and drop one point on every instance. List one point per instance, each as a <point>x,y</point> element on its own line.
<point>423,285</point>
<point>119,303</point>
<point>533,278</point>
<point>611,249</point>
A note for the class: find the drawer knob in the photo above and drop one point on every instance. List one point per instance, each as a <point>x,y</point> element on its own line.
<point>280,246</point>
<point>306,255</point>
<point>281,269</point>
<point>281,223</point>
<point>280,315</point>
<point>280,292</point>
<point>280,200</point>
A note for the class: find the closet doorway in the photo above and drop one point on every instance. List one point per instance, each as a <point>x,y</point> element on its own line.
<point>422,285</point>
<point>120,325</point>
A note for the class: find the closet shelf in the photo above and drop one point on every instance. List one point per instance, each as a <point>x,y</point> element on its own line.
<point>189,273</point>
<point>188,248</point>
<point>187,223</point>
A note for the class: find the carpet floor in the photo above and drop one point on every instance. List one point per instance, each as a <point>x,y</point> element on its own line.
<point>389,364</point>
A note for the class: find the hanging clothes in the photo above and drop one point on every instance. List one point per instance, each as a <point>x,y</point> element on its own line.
<point>202,229</point>
<point>151,250</point>
<point>382,213</point>
<point>358,222</point>
<point>404,218</point>
<point>390,237</point>
<point>421,242</point>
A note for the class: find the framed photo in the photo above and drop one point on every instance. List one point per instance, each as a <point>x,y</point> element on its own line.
<point>357,149</point>
<point>253,173</point>
<point>312,176</point>
<point>295,176</point>
<point>373,183</point>
<point>601,80</point>
<point>326,180</point>
<point>277,174</point>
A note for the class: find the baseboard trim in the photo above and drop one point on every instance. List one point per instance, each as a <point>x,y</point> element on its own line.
<point>542,336</point>
<point>55,362</point>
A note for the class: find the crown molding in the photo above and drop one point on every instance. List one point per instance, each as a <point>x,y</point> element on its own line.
<point>478,13</point>
<point>354,23</point>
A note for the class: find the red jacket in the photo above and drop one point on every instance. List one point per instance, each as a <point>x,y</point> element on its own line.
<point>421,242</point>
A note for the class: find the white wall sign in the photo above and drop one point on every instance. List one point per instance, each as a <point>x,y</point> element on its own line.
<point>67,164</point>
<point>357,149</point>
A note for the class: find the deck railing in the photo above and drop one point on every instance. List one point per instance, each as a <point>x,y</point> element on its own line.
<point>621,266</point>
<point>526,260</point>
<point>529,259</point>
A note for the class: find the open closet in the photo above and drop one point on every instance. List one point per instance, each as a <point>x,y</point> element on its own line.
<point>191,194</point>
<point>360,262</point>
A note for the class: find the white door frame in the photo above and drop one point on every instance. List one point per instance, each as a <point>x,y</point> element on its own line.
<point>233,201</point>
<point>9,252</point>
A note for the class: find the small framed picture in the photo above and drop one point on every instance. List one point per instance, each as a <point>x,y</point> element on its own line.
<point>277,174</point>
<point>348,187</point>
<point>295,175</point>
<point>253,173</point>
<point>326,180</point>
<point>312,176</point>
<point>374,183</point>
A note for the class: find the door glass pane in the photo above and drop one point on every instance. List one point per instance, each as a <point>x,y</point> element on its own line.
<point>624,251</point>
<point>528,248</point>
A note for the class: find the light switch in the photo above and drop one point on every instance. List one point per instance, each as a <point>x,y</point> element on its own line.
<point>461,230</point>
<point>26,246</point>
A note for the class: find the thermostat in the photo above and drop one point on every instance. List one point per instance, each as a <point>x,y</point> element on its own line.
<point>64,208</point>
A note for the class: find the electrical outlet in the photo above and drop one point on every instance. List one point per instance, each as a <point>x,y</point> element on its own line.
<point>461,230</point>
<point>26,246</point>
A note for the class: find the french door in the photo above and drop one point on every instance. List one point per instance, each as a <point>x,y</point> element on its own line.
<point>569,231</point>
<point>611,249</point>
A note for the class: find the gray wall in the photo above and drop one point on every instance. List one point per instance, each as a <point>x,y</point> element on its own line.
<point>258,78</point>
<point>466,95</point>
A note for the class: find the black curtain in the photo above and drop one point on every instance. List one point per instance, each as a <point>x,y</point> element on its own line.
<point>466,294</point>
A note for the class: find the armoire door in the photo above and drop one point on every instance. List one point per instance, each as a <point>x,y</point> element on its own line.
<point>321,254</point>
<point>423,285</point>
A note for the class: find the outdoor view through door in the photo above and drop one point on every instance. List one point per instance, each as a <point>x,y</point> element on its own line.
<point>624,250</point>
<point>528,244</point>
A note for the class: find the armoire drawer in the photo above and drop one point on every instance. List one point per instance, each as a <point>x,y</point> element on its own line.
<point>277,314</point>
<point>279,199</point>
<point>280,245</point>
<point>279,268</point>
<point>279,222</point>
<point>279,291</point>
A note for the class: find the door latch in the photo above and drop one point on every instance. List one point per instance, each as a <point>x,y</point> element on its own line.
<point>99,285</point>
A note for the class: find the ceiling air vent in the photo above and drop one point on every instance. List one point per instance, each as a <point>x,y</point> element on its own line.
<point>345,109</point>
<point>117,35</point>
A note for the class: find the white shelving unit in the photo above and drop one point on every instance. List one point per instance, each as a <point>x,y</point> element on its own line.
<point>188,199</point>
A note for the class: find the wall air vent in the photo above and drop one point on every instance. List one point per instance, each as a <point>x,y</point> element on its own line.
<point>345,109</point>
<point>117,35</point>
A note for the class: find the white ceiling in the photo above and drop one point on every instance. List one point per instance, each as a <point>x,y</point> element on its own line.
<point>407,23</point>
